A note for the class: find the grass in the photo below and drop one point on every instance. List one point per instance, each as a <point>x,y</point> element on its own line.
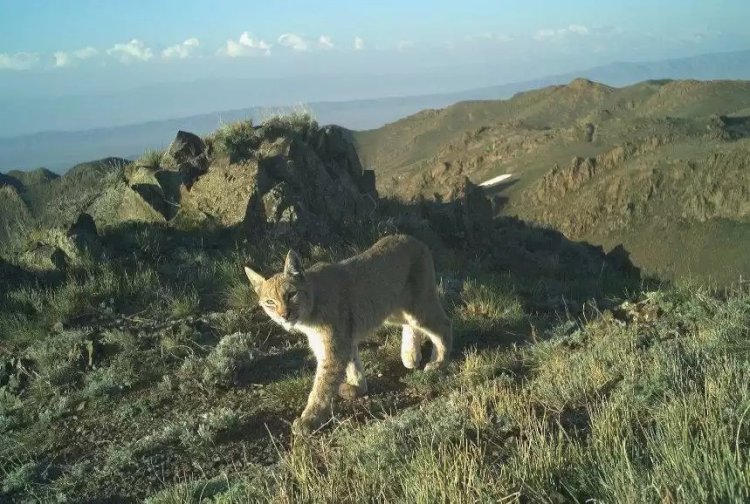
<point>236,139</point>
<point>151,160</point>
<point>154,377</point>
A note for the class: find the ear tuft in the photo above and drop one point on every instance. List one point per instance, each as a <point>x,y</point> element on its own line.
<point>293,264</point>
<point>256,279</point>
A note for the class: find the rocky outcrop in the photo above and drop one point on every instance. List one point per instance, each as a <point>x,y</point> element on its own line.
<point>310,186</point>
<point>189,155</point>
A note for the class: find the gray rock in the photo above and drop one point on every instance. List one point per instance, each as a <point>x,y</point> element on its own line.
<point>186,146</point>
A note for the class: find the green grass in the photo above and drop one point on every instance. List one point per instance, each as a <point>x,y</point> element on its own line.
<point>152,389</point>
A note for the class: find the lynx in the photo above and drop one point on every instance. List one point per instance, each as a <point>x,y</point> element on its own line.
<point>338,305</point>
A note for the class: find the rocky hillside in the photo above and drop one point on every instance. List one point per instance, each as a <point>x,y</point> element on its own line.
<point>653,166</point>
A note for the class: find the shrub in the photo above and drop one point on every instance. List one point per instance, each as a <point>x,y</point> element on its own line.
<point>238,140</point>
<point>299,120</point>
<point>233,354</point>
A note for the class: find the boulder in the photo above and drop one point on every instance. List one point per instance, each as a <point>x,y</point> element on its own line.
<point>188,153</point>
<point>225,193</point>
<point>185,147</point>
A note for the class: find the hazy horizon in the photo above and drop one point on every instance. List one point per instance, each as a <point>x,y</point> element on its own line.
<point>88,64</point>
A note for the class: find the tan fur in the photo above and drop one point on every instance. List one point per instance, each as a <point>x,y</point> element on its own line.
<point>337,305</point>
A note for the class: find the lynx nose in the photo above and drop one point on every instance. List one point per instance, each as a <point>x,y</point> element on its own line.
<point>282,312</point>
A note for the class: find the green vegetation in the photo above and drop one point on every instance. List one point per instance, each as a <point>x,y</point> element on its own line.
<point>151,160</point>
<point>235,139</point>
<point>643,402</point>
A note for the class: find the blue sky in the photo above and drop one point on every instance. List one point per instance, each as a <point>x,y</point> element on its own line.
<point>60,48</point>
<point>33,31</point>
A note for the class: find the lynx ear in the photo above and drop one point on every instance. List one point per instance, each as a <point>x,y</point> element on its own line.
<point>256,279</point>
<point>293,264</point>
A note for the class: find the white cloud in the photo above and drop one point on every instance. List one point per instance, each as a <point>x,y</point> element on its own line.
<point>246,46</point>
<point>293,41</point>
<point>489,37</point>
<point>135,50</point>
<point>18,61</point>
<point>578,29</point>
<point>63,59</point>
<point>404,45</point>
<point>325,42</point>
<point>359,44</point>
<point>561,33</point>
<point>181,51</point>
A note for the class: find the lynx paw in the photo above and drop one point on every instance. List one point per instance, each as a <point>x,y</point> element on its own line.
<point>350,392</point>
<point>304,426</point>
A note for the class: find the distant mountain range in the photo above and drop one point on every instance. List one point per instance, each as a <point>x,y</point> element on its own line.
<point>59,150</point>
<point>660,167</point>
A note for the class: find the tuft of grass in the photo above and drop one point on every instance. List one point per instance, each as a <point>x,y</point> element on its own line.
<point>490,303</point>
<point>229,358</point>
<point>239,295</point>
<point>238,140</point>
<point>299,120</point>
<point>216,423</point>
<point>151,160</point>
<point>184,304</point>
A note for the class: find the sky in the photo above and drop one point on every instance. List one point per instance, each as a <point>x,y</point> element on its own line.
<point>56,53</point>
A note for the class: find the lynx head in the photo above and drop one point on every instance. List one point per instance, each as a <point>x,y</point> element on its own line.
<point>287,296</point>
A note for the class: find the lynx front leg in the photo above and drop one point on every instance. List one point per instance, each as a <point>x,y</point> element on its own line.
<point>328,375</point>
<point>356,383</point>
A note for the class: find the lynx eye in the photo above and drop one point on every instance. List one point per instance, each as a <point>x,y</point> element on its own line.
<point>270,302</point>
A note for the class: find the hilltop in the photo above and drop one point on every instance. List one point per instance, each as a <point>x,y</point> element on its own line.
<point>136,365</point>
<point>653,166</point>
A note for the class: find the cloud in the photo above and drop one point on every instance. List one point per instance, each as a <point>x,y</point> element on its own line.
<point>135,50</point>
<point>404,45</point>
<point>303,44</point>
<point>359,44</point>
<point>293,41</point>
<point>561,33</point>
<point>489,37</point>
<point>246,46</point>
<point>181,51</point>
<point>18,61</point>
<point>325,42</point>
<point>63,59</point>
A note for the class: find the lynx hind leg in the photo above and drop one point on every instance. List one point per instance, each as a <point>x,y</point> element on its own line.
<point>427,315</point>
<point>430,319</point>
<point>411,347</point>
